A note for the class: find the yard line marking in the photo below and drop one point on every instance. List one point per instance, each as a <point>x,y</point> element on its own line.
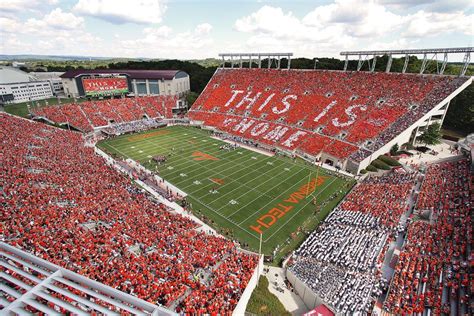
<point>224,157</point>
<point>177,183</point>
<point>185,160</point>
<point>153,144</point>
<point>303,179</point>
<point>265,193</point>
<point>325,171</point>
<point>296,213</point>
<point>206,166</point>
<point>227,219</point>
<point>237,211</point>
<point>235,180</point>
<point>114,148</point>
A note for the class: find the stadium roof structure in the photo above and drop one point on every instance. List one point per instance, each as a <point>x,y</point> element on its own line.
<point>14,75</point>
<point>407,52</point>
<point>132,73</point>
<point>36,284</point>
<point>239,58</point>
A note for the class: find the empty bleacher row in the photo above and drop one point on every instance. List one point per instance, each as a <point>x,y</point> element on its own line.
<point>433,272</point>
<point>344,114</point>
<point>62,203</point>
<point>341,261</point>
<point>89,114</point>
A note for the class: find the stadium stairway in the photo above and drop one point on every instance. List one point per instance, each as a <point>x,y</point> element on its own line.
<point>83,113</point>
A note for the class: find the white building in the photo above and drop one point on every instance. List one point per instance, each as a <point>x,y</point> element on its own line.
<point>17,86</point>
<point>54,79</point>
<point>138,82</point>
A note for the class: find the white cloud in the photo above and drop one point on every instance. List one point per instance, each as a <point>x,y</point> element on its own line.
<point>14,7</point>
<point>17,5</point>
<point>432,24</point>
<point>268,20</point>
<point>57,32</point>
<point>163,42</point>
<point>430,5</point>
<point>358,19</point>
<point>9,25</point>
<point>123,11</point>
<point>324,30</point>
<point>344,24</point>
<point>56,19</point>
<point>12,45</point>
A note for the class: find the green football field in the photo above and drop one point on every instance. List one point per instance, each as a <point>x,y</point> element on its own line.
<point>239,192</point>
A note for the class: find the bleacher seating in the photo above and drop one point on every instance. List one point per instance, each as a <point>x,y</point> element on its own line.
<point>334,112</point>
<point>432,274</point>
<point>341,260</point>
<point>89,114</point>
<point>61,202</point>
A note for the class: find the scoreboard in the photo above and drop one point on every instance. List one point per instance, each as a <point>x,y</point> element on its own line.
<point>103,86</point>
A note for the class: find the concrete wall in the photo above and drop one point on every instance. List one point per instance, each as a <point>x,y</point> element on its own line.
<point>70,87</point>
<point>177,86</point>
<point>310,299</point>
<point>244,299</point>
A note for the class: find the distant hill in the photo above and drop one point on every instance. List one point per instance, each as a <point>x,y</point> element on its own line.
<point>208,62</point>
<point>49,57</point>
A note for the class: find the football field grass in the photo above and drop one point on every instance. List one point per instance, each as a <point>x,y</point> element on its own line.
<point>239,192</point>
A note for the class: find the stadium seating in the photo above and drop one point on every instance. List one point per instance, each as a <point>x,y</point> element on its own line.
<point>341,260</point>
<point>432,274</point>
<point>89,114</point>
<point>385,197</point>
<point>334,112</point>
<point>61,202</point>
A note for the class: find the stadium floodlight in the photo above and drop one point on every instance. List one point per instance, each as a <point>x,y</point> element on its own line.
<point>407,52</point>
<point>315,62</point>
<point>241,57</point>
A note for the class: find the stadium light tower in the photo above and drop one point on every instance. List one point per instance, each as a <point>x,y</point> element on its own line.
<point>433,52</point>
<point>241,57</point>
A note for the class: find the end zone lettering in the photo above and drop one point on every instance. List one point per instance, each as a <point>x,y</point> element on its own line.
<point>271,217</point>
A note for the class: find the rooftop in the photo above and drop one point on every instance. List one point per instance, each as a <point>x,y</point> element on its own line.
<point>133,73</point>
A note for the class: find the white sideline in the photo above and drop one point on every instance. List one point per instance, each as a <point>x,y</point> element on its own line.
<point>252,148</point>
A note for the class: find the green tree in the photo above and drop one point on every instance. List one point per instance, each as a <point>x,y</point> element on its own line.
<point>394,150</point>
<point>191,98</point>
<point>460,115</point>
<point>431,135</point>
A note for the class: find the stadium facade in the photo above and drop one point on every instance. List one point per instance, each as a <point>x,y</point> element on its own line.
<point>106,82</point>
<point>17,86</point>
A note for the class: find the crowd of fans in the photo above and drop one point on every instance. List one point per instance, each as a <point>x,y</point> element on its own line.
<point>61,202</point>
<point>89,114</point>
<point>432,274</point>
<point>345,114</point>
<point>358,243</point>
<point>132,127</point>
<point>384,197</point>
<point>341,261</point>
<point>346,291</point>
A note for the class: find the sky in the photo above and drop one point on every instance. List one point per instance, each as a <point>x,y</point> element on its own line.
<point>192,29</point>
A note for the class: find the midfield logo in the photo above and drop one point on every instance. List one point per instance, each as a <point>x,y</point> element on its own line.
<point>202,156</point>
<point>217,180</point>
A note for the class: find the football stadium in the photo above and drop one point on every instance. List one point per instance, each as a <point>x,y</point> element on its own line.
<point>325,184</point>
